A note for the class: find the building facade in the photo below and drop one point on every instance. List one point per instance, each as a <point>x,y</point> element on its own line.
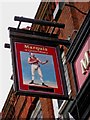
<point>76,17</point>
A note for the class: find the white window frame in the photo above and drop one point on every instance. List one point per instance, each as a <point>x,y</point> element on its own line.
<point>36,110</point>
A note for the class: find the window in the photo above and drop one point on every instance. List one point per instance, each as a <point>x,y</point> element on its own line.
<point>63,103</point>
<point>37,112</point>
<point>66,72</point>
<point>58,10</point>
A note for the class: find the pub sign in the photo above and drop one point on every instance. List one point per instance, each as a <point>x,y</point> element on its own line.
<point>37,66</point>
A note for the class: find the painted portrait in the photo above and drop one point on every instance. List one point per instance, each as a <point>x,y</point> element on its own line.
<point>43,72</point>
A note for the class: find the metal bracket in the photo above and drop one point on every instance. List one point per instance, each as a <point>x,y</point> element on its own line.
<point>41,22</point>
<point>37,21</point>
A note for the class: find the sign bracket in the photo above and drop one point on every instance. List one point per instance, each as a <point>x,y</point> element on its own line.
<point>66,43</point>
<point>36,21</point>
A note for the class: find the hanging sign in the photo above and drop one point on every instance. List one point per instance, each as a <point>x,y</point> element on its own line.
<point>37,65</point>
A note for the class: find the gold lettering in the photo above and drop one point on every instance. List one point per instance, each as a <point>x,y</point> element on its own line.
<point>30,47</point>
<point>45,49</point>
<point>85,62</point>
<point>37,48</point>
<point>26,46</point>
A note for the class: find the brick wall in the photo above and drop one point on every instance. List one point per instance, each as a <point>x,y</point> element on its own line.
<point>72,18</point>
<point>47,108</point>
<point>84,7</point>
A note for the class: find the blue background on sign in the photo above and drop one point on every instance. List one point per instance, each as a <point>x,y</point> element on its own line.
<point>48,70</point>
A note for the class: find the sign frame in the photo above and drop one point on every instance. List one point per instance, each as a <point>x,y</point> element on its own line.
<point>40,44</point>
